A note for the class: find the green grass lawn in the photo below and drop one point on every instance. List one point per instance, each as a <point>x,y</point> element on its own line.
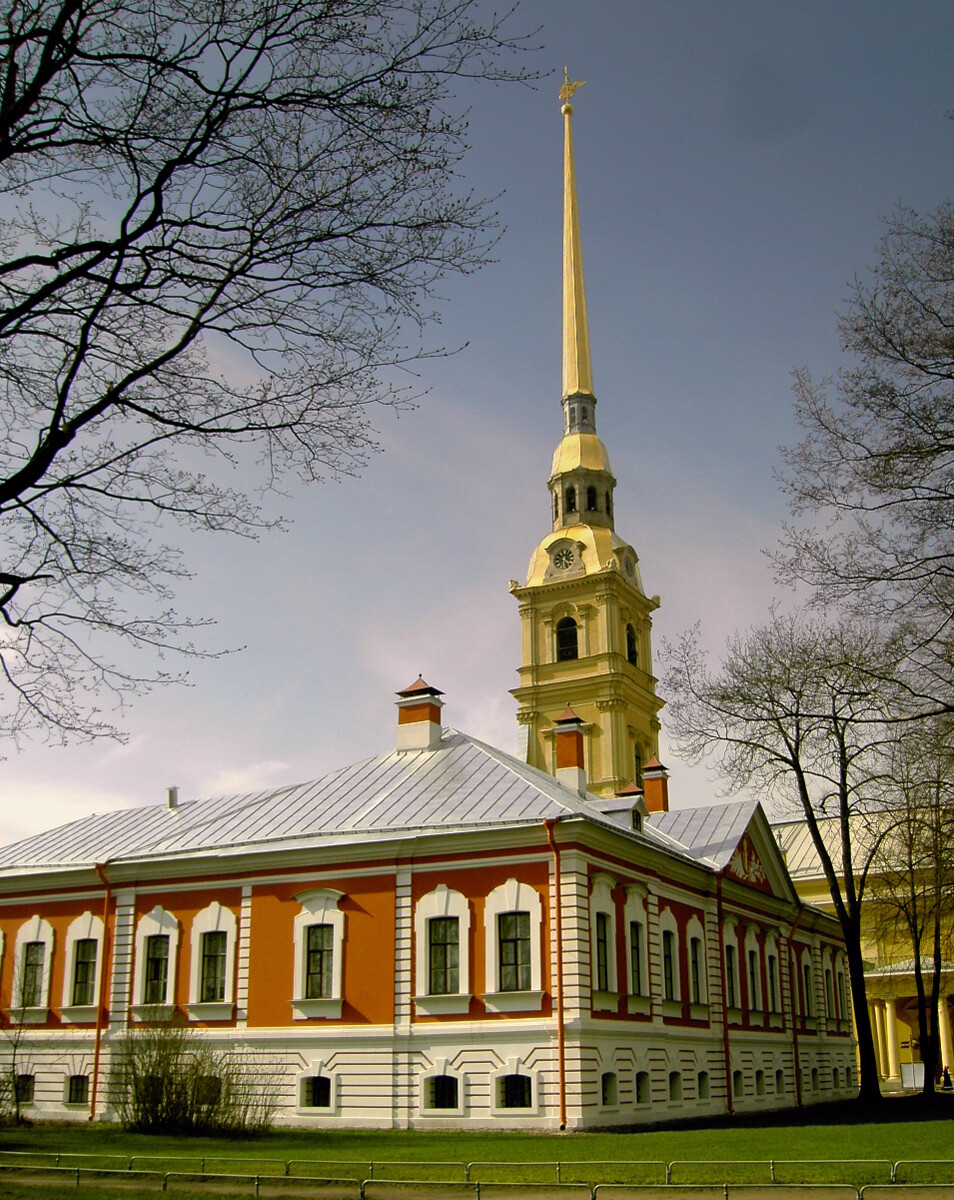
<point>711,1152</point>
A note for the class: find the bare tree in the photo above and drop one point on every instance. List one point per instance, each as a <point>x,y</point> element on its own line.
<point>874,473</point>
<point>223,226</point>
<point>912,881</point>
<point>791,712</point>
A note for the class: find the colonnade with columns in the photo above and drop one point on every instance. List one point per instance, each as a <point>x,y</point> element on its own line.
<point>884,1022</point>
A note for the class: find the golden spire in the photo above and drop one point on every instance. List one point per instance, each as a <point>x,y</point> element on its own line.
<point>577,369</point>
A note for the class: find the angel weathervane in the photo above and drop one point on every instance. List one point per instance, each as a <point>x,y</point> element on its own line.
<point>569,87</point>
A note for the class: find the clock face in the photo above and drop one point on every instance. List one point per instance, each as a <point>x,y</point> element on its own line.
<point>563,558</point>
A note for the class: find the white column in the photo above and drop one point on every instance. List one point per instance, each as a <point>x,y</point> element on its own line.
<point>874,1016</point>
<point>944,1025</point>
<point>894,1060</point>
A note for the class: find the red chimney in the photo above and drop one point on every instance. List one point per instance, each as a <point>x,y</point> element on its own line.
<point>570,769</point>
<point>419,716</point>
<point>656,786</point>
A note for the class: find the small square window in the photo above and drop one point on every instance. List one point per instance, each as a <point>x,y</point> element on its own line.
<point>609,1092</point>
<point>316,1091</point>
<point>77,1091</point>
<point>25,1087</point>
<point>443,1091</point>
<point>643,1091</point>
<point>208,1091</point>
<point>515,1091</point>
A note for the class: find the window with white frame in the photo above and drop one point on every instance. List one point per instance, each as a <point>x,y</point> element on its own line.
<point>32,960</point>
<point>442,1091</point>
<point>808,985</point>
<point>829,991</point>
<point>513,917</point>
<point>154,971</point>
<point>82,968</point>
<point>603,941</point>
<point>637,948</point>
<point>319,931</point>
<point>212,943</point>
<point>842,991</point>
<point>514,1090</point>
<point>753,970</point>
<point>442,952</point>
<point>772,976</point>
<point>317,1089</point>
<point>669,947</point>
<point>698,989</point>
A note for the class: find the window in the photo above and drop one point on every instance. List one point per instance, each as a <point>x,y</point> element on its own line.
<point>591,499</point>
<point>842,997</point>
<point>444,1092</point>
<point>609,1089</point>
<point>316,1091</point>
<point>643,1090</point>
<point>84,971</point>
<point>635,958</point>
<point>829,994</point>
<point>738,1084</point>
<point>779,1082</point>
<point>702,1085</point>
<point>815,1079</point>
<point>513,946</point>
<point>443,977</point>
<point>77,1089</point>
<point>556,507</point>
<point>513,916</point>
<point>154,976</point>
<point>760,1083</point>
<point>31,966</point>
<point>212,985</point>
<point>609,504</point>
<point>208,1091</point>
<point>570,500</point>
<point>772,973</point>
<point>157,968</point>
<point>675,1085</point>
<point>638,766</point>
<point>836,1078</point>
<point>807,1001</point>
<point>584,414</point>
<point>212,975</point>
<point>515,1091</point>
<point>753,980</point>
<point>631,654</point>
<point>320,950</point>
<point>32,957</point>
<point>669,954</point>
<point>731,976</point>
<point>25,1086</point>
<point>442,941</point>
<point>698,990</point>
<point>318,962</point>
<point>566,638</point>
<point>602,952</point>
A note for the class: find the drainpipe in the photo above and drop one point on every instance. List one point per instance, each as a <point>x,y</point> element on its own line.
<point>558,929</point>
<point>792,990</point>
<point>730,1101</point>
<point>103,979</point>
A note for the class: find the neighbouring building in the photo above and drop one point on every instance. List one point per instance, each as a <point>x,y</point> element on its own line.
<point>445,934</point>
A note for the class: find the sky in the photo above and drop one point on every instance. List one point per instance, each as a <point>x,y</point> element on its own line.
<point>735,161</point>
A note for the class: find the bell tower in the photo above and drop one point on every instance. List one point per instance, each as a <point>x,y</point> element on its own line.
<point>585,619</point>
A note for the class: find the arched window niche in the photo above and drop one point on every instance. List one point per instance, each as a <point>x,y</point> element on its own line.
<point>567,640</point>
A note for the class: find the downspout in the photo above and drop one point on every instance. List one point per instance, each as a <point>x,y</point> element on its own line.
<point>103,982</point>
<point>548,825</point>
<point>730,1102</point>
<point>792,989</point>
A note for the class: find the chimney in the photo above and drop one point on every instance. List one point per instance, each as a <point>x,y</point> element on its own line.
<point>570,770</point>
<point>656,786</point>
<point>419,717</point>
<point>172,799</point>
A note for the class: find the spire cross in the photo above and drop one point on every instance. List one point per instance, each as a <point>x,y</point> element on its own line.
<point>569,87</point>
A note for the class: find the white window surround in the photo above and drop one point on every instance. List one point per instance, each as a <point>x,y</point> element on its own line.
<point>33,930</point>
<point>634,912</point>
<point>730,939</point>
<point>85,927</point>
<point>439,1069</point>
<point>601,901</point>
<point>316,1067</point>
<point>319,906</point>
<point>667,924</point>
<point>695,929</point>
<point>214,918</point>
<point>441,902</point>
<point>512,897</point>
<point>809,1000</point>
<point>157,923</point>
<point>514,1067</point>
<point>772,950</point>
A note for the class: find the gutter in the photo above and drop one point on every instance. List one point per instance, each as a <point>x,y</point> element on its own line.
<point>729,1099</point>
<point>103,982</point>
<point>792,991</point>
<point>548,825</point>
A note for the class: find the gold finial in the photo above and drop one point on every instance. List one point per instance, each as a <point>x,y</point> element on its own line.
<point>566,92</point>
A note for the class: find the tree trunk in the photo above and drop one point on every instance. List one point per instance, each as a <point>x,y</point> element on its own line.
<point>869,1086</point>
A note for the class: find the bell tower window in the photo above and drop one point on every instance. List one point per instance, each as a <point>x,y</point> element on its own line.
<point>556,507</point>
<point>609,504</point>
<point>631,653</point>
<point>571,499</point>
<point>566,640</point>
<point>591,499</point>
